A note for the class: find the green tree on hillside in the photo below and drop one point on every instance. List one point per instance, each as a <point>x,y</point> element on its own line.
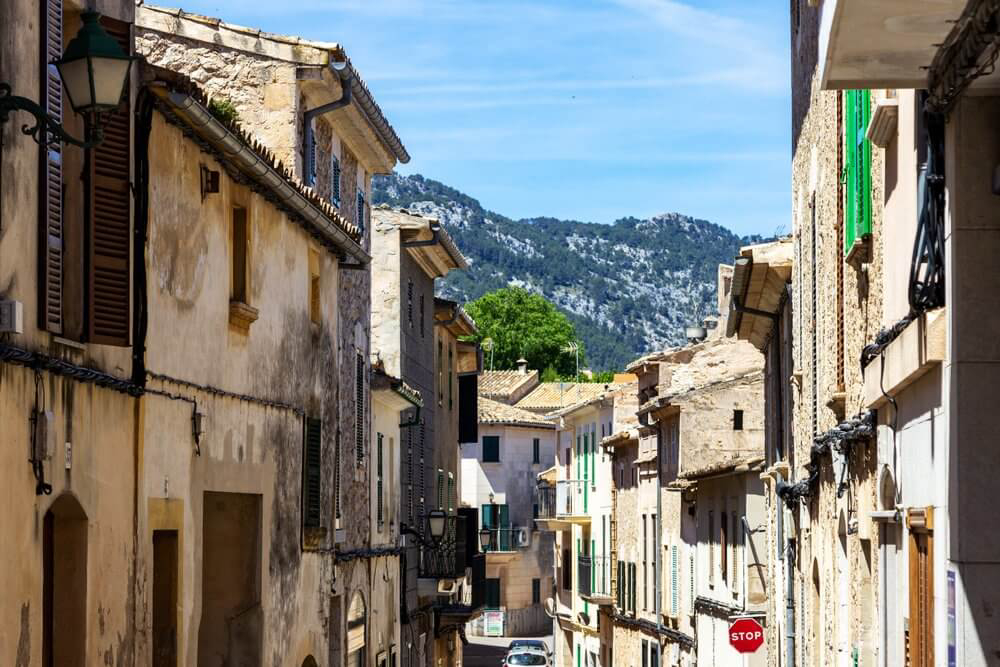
<point>522,323</point>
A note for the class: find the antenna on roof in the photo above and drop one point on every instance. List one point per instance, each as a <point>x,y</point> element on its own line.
<point>573,347</point>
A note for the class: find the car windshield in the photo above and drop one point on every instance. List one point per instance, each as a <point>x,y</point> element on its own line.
<point>532,643</point>
<point>526,659</point>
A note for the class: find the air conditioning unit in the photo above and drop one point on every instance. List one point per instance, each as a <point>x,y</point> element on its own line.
<point>522,537</point>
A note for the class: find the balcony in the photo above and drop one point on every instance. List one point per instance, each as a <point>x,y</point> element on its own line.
<point>473,598</point>
<point>449,558</point>
<point>594,579</point>
<point>506,540</point>
<point>882,43</point>
<point>563,505</point>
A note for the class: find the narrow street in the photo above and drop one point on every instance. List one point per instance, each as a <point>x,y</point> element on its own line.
<point>490,651</point>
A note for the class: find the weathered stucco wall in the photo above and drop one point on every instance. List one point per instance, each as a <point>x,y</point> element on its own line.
<point>247,447</point>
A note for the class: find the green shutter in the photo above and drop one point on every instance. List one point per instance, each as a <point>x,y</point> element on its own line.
<point>857,168</point>
<point>593,454</point>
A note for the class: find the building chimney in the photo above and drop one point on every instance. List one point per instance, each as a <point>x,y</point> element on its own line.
<point>522,366</point>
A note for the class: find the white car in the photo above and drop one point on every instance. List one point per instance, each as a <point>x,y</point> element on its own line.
<point>526,657</point>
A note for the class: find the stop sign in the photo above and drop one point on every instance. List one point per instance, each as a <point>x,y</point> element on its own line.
<point>746,635</point>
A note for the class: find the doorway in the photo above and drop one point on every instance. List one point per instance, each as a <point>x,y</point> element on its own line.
<point>231,617</point>
<point>64,587</point>
<point>164,598</point>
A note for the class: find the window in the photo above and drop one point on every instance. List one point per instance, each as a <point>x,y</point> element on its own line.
<point>567,571</point>
<point>645,653</point>
<point>239,257</point>
<point>359,407</point>
<point>631,587</point>
<point>535,453</point>
<point>312,473</point>
<point>380,515</point>
<point>409,303</point>
<point>620,586</point>
<point>491,449</point>
<point>451,376</point>
<point>534,511</point>
<point>492,593</point>
<point>536,591</point>
<point>361,211</point>
<point>654,654</point>
<point>335,180</point>
<point>737,420</point>
<point>314,291</point>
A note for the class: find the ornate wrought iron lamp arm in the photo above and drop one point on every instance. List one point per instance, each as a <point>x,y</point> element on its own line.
<point>47,130</point>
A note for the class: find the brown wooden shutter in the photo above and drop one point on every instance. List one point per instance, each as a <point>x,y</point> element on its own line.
<point>311,474</point>
<point>50,188</point>
<point>109,298</point>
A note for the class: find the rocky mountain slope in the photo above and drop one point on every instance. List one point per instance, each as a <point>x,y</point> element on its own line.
<point>629,287</point>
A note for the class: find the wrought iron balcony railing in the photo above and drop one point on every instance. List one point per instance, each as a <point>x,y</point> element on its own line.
<point>507,539</point>
<point>448,559</point>
<point>594,576</point>
<point>569,497</point>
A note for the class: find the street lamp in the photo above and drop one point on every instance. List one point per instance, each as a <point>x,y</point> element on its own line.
<point>93,69</point>
<point>436,520</point>
<point>485,537</point>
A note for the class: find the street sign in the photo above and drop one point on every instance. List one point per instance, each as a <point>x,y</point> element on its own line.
<point>746,635</point>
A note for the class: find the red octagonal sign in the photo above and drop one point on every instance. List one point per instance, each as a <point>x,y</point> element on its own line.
<point>746,635</point>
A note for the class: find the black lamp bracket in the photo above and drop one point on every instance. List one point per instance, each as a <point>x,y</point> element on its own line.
<point>47,130</point>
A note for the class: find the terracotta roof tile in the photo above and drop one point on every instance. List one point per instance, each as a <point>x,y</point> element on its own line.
<point>493,412</point>
<point>549,396</point>
<point>501,385</point>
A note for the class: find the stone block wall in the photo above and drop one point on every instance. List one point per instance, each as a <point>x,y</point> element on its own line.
<point>832,322</point>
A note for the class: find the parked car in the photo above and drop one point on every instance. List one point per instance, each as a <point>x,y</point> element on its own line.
<point>527,657</point>
<point>528,643</point>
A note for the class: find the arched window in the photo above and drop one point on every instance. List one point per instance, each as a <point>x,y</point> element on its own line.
<point>64,594</point>
<point>356,632</point>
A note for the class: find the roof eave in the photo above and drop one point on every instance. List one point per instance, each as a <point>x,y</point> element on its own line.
<point>327,226</point>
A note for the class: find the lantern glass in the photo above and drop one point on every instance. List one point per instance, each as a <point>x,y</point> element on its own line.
<point>436,524</point>
<point>94,68</point>
<point>484,539</point>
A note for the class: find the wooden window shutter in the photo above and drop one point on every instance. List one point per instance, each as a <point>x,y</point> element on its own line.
<point>311,466</point>
<point>378,491</point>
<point>409,474</point>
<point>359,408</point>
<point>336,476</point>
<point>110,208</point>
<point>674,586</point>
<point>50,176</point>
<point>335,180</point>
<point>361,211</point>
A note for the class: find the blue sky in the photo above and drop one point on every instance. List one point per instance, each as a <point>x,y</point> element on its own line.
<point>590,110</point>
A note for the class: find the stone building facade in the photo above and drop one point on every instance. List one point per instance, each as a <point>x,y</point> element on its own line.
<point>499,476</point>
<point>68,382</point>
<point>409,253</point>
<point>269,84</point>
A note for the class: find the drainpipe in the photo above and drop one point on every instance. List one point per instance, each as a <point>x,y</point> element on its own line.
<point>789,604</point>
<point>343,73</point>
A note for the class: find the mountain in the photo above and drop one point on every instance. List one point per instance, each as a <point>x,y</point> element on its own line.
<point>629,287</point>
